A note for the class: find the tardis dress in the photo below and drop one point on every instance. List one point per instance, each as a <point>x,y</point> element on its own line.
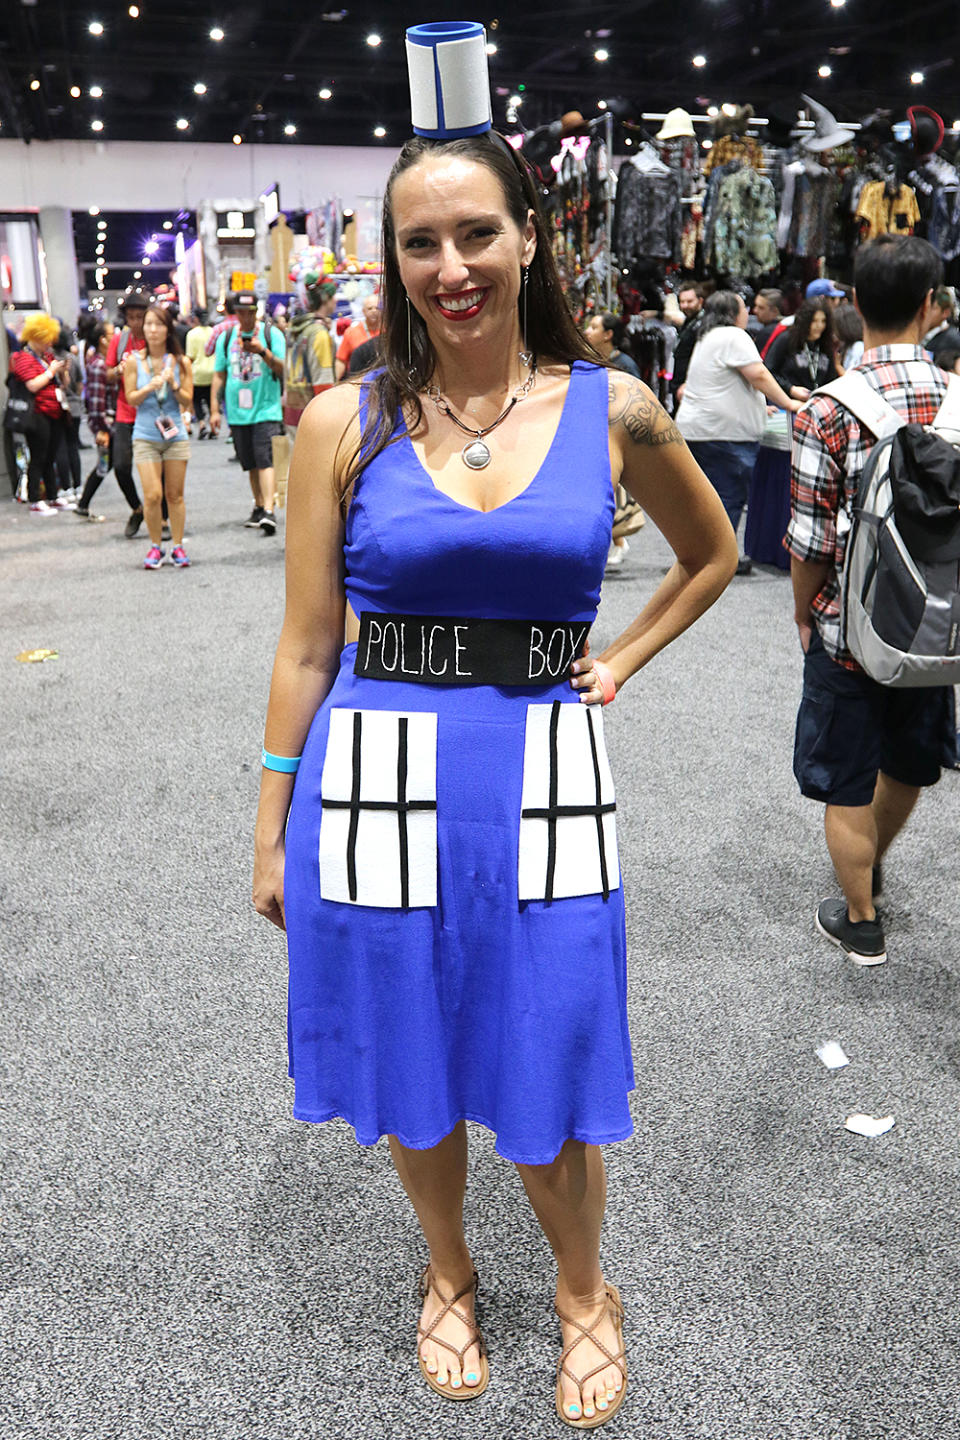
<point>453,902</point>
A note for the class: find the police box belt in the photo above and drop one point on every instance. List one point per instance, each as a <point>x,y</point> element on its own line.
<point>459,650</point>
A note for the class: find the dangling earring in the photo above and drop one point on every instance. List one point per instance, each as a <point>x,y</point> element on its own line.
<point>411,372</point>
<point>525,356</point>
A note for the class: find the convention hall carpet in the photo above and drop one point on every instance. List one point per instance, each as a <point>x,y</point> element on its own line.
<point>179,1258</point>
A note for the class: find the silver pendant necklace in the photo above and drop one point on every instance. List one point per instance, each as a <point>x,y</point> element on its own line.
<point>476,455</point>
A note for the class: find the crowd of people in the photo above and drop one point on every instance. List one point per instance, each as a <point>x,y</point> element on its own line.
<point>148,382</point>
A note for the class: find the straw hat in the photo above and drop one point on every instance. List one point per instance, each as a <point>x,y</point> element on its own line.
<point>676,125</point>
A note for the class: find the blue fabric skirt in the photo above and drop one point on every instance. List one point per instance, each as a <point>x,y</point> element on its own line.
<point>481,1006</point>
<point>768,509</point>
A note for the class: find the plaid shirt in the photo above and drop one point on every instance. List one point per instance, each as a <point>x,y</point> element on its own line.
<point>829,453</point>
<point>99,394</point>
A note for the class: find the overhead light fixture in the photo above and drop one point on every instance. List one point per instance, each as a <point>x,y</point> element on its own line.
<point>289,129</point>
<point>94,210</point>
<point>699,61</point>
<point>373,40</point>
<point>707,144</point>
<point>838,4</point>
<point>95,27</point>
<point>728,109</point>
<point>491,48</point>
<point>96,125</point>
<point>133,11</point>
<point>34,84</point>
<point>99,250</point>
<point>601,55</point>
<point>199,88</point>
<point>917,78</point>
<point>712,111</point>
<point>238,139</point>
<point>75,91</point>
<point>379,131</point>
<point>145,260</point>
<point>825,72</point>
<point>514,101</point>
<point>96,92</point>
<point>168,224</point>
<point>628,141</point>
<point>216,33</point>
<point>151,247</point>
<point>601,104</point>
<point>183,124</point>
<point>326,93</point>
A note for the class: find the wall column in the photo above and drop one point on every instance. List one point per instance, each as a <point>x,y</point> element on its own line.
<point>56,232</point>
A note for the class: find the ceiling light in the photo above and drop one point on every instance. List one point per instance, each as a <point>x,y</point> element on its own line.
<point>96,92</point>
<point>99,250</point>
<point>137,274</point>
<point>712,111</point>
<point>96,124</point>
<point>168,224</point>
<point>101,224</point>
<point>94,210</point>
<point>95,27</point>
<point>183,124</point>
<point>151,247</point>
<point>325,93</point>
<point>134,12</point>
<point>728,109</point>
<point>628,141</point>
<point>491,49</point>
<point>707,144</point>
<point>238,139</point>
<point>34,84</point>
<point>601,104</point>
<point>216,33</point>
<point>838,4</point>
<point>373,40</point>
<point>199,88</point>
<point>380,132</point>
<point>699,61</point>
<point>514,101</point>
<point>289,129</point>
<point>601,55</point>
<point>917,77</point>
<point>75,91</point>
<point>825,72</point>
<point>145,260</point>
<point>956,125</point>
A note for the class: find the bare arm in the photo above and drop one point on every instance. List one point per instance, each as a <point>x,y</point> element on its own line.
<point>134,396</point>
<point>760,378</point>
<point>48,377</point>
<point>651,459</point>
<point>184,396</point>
<point>809,578</point>
<point>311,639</point>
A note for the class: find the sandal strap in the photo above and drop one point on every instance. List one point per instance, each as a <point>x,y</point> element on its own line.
<point>474,1336</point>
<point>587,1333</point>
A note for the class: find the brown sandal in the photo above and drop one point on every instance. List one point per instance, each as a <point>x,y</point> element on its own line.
<point>614,1302</point>
<point>474,1337</point>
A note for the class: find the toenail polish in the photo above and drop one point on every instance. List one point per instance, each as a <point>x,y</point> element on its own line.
<point>471,1378</point>
<point>456,1383</point>
<point>574,1409</point>
<point>602,1405</point>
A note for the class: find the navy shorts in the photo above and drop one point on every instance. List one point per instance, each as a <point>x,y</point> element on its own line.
<point>849,729</point>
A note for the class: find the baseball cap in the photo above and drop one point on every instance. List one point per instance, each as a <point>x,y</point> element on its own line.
<point>823,287</point>
<point>244,299</point>
<point>136,297</point>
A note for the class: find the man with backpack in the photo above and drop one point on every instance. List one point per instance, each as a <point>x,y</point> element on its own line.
<point>864,748</point>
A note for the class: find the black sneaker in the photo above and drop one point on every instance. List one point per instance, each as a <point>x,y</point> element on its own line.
<point>862,940</point>
<point>133,524</point>
<point>744,565</point>
<point>267,523</point>
<point>254,522</point>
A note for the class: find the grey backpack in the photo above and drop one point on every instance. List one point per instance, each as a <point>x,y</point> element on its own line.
<point>900,586</point>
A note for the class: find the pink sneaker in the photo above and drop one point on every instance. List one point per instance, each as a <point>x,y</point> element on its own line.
<point>179,556</point>
<point>153,558</point>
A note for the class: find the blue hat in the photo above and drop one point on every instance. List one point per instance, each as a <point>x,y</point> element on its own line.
<point>824,287</point>
<point>449,80</point>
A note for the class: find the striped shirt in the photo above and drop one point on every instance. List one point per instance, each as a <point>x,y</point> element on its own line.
<point>829,452</point>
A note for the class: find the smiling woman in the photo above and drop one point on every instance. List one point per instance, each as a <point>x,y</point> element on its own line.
<point>445,863</point>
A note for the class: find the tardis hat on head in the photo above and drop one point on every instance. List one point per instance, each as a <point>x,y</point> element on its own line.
<point>449,80</point>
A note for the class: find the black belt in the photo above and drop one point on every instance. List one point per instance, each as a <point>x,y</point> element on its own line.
<point>458,650</point>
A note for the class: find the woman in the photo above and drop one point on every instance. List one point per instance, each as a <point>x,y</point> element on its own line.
<point>202,365</point>
<point>71,383</point>
<point>100,398</point>
<point>606,334</point>
<point>158,383</point>
<point>41,372</point>
<point>848,328</point>
<point>804,356</point>
<point>722,414</point>
<point>436,973</point>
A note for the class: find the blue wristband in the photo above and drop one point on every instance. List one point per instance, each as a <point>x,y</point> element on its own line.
<point>286,764</point>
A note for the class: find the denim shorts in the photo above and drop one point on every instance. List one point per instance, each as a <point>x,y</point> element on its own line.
<point>849,729</point>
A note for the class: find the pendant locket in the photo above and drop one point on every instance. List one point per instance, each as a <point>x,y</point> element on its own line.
<point>475,456</point>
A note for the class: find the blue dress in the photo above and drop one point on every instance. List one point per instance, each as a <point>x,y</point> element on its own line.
<point>469,960</point>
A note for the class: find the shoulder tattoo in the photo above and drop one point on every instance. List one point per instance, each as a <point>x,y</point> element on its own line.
<point>643,418</point>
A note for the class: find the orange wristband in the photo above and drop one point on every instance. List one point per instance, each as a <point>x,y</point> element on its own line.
<point>607,682</point>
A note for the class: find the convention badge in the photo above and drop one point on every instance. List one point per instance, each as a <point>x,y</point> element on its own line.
<point>245,398</point>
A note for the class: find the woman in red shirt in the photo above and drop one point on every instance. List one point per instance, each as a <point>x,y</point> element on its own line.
<point>40,371</point>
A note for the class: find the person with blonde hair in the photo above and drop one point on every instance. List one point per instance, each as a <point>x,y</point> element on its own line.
<point>36,367</point>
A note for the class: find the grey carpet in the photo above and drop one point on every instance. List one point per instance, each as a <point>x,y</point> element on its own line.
<point>179,1258</point>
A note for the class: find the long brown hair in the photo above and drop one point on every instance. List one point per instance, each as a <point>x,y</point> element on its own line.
<point>173,345</point>
<point>551,333</point>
